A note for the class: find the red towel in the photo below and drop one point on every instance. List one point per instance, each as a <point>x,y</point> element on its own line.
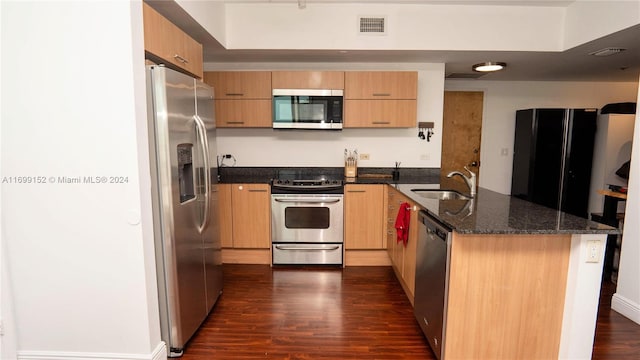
<point>402,222</point>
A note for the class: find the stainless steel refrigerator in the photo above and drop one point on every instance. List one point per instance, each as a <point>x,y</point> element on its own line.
<point>185,202</point>
<point>552,157</point>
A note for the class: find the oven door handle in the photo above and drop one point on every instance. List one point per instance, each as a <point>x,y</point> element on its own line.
<point>293,247</point>
<point>300,201</point>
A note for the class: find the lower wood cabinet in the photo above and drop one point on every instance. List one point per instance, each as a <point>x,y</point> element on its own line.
<point>403,257</point>
<point>363,216</point>
<point>245,216</point>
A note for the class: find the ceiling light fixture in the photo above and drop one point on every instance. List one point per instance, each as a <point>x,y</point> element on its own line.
<point>489,66</point>
<point>302,4</point>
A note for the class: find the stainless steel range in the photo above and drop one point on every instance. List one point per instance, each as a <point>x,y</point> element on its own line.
<point>307,221</point>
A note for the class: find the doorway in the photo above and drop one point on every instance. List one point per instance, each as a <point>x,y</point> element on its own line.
<point>461,132</point>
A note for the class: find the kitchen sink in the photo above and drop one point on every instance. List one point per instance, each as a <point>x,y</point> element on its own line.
<point>440,194</point>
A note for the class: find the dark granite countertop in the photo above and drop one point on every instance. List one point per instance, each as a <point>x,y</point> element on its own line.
<point>490,212</point>
<point>365,175</point>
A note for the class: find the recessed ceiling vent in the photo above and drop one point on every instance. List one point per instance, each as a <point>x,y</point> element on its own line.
<point>373,25</point>
<point>607,51</point>
<point>475,75</point>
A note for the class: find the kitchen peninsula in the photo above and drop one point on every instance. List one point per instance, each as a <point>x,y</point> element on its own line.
<point>524,279</point>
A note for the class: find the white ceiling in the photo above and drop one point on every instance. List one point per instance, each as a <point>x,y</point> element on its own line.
<point>571,65</point>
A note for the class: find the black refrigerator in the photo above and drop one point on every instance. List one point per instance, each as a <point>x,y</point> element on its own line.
<point>552,158</point>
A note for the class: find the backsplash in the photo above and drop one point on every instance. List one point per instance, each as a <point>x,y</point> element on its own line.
<point>312,148</point>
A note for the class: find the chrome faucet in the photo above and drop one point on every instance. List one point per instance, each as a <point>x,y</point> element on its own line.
<point>469,180</point>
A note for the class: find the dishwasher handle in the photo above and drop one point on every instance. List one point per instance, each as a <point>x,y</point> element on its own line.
<point>434,225</point>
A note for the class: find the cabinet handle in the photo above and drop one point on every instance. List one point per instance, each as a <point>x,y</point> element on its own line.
<point>234,94</point>
<point>381,122</point>
<point>381,94</point>
<point>257,190</point>
<point>356,191</point>
<point>181,59</point>
<point>235,122</point>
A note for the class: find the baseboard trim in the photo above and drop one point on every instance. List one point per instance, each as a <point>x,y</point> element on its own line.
<point>159,353</point>
<point>626,307</point>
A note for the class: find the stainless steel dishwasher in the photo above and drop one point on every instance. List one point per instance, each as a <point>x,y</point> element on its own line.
<point>432,279</point>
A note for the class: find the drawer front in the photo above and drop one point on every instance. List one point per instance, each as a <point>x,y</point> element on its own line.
<point>317,254</point>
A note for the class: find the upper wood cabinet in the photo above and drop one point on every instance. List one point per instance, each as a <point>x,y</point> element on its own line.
<point>240,84</point>
<point>380,113</point>
<point>364,216</point>
<point>242,98</point>
<point>166,42</point>
<point>381,85</point>
<point>333,80</point>
<point>243,113</point>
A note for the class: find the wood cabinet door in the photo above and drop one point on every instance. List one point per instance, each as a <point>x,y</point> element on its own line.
<point>243,113</point>
<point>190,54</point>
<point>363,217</point>
<point>381,85</point>
<point>224,215</point>
<point>251,216</point>
<point>409,264</point>
<point>380,113</point>
<point>333,80</point>
<point>395,250</point>
<point>240,84</point>
<point>166,41</point>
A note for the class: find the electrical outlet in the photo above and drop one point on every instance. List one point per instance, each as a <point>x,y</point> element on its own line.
<point>594,251</point>
<point>364,156</point>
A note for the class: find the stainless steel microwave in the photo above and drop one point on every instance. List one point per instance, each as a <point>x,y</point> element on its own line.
<point>307,109</point>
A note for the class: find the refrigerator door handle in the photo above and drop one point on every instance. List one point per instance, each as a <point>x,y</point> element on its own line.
<point>204,143</point>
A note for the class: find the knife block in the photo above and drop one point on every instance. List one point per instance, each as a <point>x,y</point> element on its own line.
<point>350,170</point>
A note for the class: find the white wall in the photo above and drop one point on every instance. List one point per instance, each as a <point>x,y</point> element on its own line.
<point>80,257</point>
<point>626,300</point>
<point>266,147</point>
<point>210,15</point>
<point>502,99</point>
<point>409,27</point>
<point>612,148</point>
<point>587,20</point>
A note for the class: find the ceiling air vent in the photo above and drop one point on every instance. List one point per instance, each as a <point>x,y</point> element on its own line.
<point>373,25</point>
<point>607,51</point>
<point>465,75</point>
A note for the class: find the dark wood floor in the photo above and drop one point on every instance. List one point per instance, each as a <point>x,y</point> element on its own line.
<point>351,313</point>
<point>616,336</point>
